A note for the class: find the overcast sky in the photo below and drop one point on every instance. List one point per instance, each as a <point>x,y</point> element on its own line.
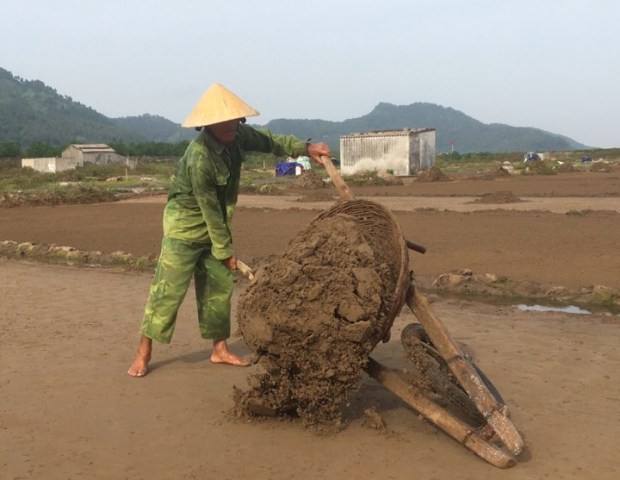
<point>549,64</point>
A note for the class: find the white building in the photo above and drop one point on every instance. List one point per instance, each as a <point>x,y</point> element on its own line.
<point>49,164</point>
<point>76,155</point>
<point>402,152</point>
<point>98,153</point>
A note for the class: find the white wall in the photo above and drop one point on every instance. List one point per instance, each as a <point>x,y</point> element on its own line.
<point>401,152</point>
<point>43,164</point>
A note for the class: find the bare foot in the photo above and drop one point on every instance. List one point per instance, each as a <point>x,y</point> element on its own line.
<point>221,354</point>
<point>140,365</point>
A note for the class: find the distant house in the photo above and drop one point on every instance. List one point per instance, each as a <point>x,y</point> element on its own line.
<point>76,155</point>
<point>402,152</point>
<point>98,153</point>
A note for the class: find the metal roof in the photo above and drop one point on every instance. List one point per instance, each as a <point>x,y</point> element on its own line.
<point>389,133</point>
<point>93,147</point>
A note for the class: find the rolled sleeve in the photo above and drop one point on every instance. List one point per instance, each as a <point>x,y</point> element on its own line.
<point>262,140</point>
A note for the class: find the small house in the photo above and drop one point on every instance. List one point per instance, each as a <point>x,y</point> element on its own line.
<point>98,153</point>
<point>77,155</point>
<point>401,152</point>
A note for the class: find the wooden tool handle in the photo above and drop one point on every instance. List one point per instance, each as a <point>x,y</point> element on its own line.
<point>343,189</point>
<point>245,269</point>
<point>416,247</point>
<point>465,434</point>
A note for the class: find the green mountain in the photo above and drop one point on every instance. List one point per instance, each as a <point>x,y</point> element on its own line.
<point>30,112</point>
<point>466,133</point>
<point>155,128</point>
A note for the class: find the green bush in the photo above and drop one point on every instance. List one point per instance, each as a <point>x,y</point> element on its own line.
<point>93,171</point>
<point>58,195</point>
<point>367,178</point>
<point>30,179</point>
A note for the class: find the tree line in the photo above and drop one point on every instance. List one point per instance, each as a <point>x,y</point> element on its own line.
<point>130,149</point>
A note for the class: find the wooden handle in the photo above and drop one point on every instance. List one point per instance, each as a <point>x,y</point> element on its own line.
<point>245,269</point>
<point>416,247</point>
<point>468,436</point>
<point>343,189</point>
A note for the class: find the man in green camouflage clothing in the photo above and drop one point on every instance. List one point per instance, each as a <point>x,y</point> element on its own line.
<point>197,223</point>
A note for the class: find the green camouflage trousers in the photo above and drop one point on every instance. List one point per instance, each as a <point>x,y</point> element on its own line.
<point>213,282</point>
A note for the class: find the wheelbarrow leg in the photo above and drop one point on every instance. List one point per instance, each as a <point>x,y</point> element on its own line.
<point>465,373</point>
<point>468,436</point>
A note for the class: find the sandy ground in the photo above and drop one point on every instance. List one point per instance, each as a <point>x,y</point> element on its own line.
<point>68,410</point>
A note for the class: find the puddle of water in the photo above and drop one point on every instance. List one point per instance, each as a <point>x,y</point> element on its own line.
<point>543,308</point>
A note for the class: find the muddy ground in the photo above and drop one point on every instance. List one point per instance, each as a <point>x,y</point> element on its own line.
<point>68,409</point>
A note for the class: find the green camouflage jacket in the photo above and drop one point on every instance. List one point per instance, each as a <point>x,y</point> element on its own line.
<point>204,188</point>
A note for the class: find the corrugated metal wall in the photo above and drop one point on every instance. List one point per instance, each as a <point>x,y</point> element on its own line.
<point>402,152</point>
<point>422,148</point>
<point>101,155</point>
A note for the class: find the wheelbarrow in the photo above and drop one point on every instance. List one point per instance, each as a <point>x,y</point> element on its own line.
<point>432,337</point>
<point>474,413</point>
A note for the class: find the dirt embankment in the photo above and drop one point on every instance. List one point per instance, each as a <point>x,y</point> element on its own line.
<point>549,238</point>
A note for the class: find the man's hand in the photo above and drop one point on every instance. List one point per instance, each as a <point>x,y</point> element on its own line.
<point>317,150</point>
<point>230,262</point>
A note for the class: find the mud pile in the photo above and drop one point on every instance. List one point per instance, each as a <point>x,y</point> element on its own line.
<point>433,174</point>
<point>501,172</point>
<point>565,167</point>
<point>314,315</point>
<point>312,188</point>
<point>504,196</point>
<point>309,180</point>
<point>599,166</point>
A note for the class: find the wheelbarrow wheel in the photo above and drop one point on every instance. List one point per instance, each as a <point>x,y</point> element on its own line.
<point>432,374</point>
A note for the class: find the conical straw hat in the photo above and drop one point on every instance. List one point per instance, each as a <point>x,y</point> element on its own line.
<point>218,104</point>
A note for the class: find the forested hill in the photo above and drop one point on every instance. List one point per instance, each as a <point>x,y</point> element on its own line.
<point>31,112</point>
<point>468,134</point>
